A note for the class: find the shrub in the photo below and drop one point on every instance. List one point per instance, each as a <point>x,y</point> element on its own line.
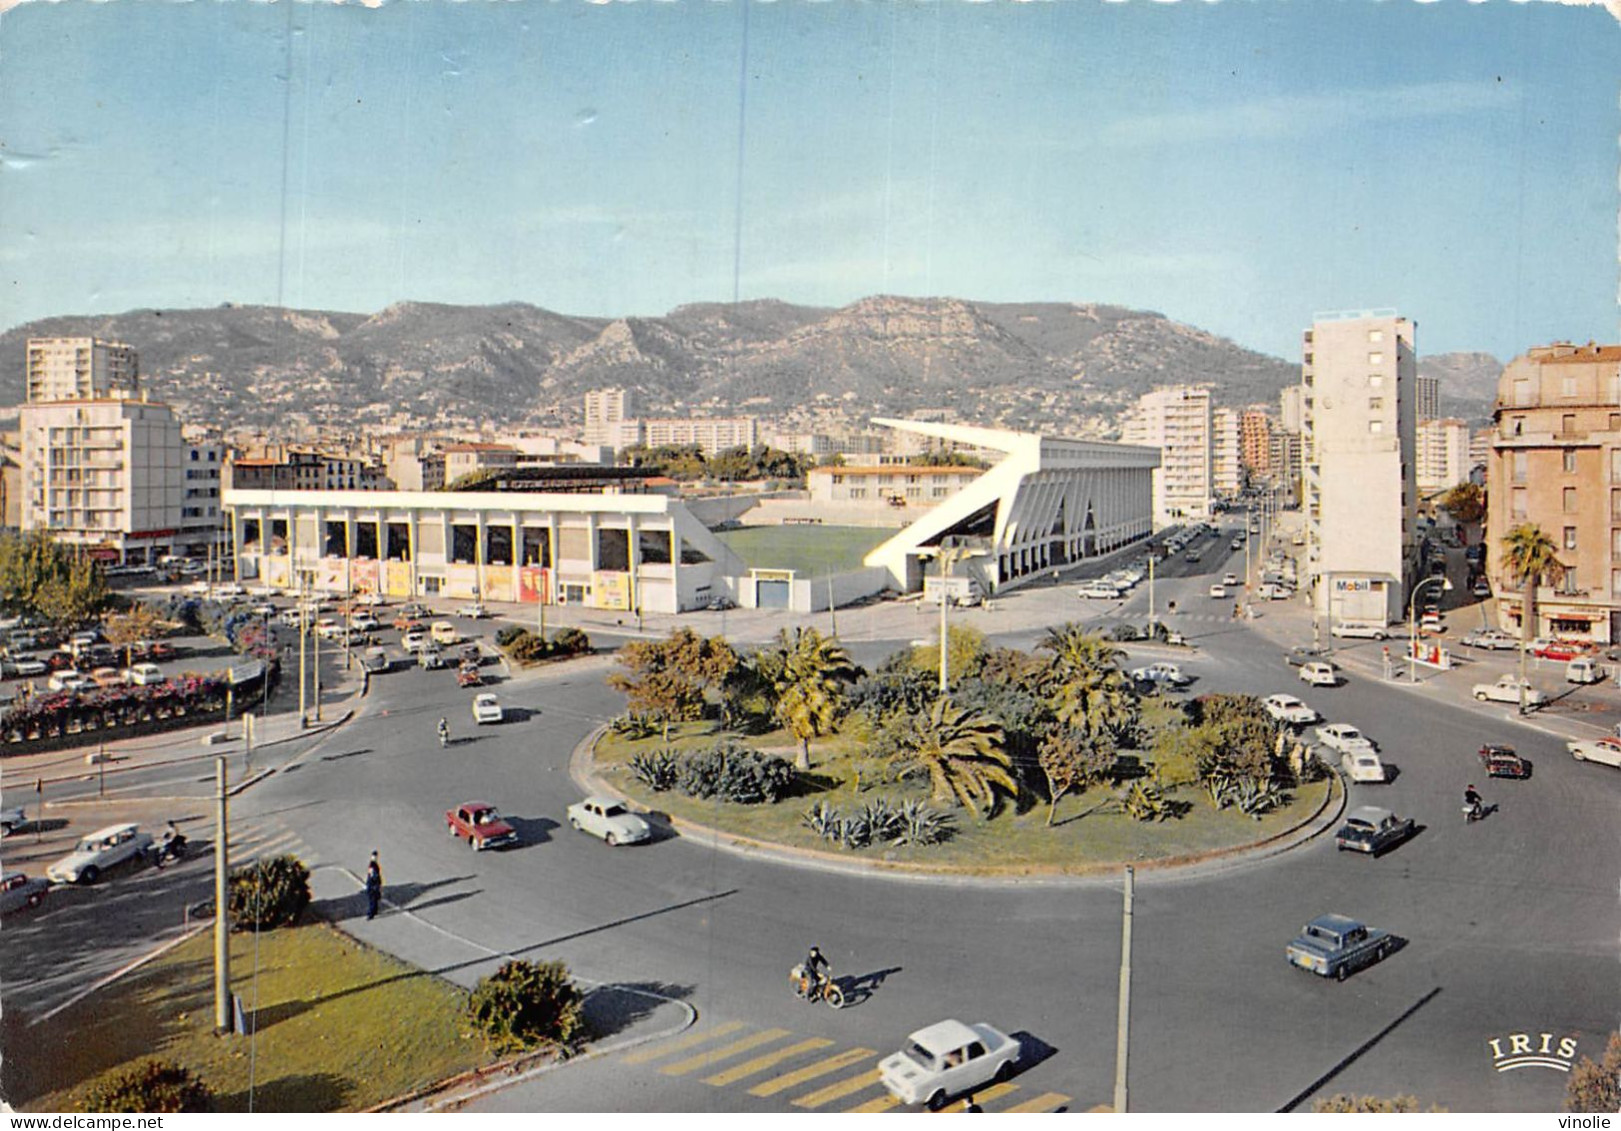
<point>504,637</point>
<point>921,825</point>
<point>1123,631</point>
<point>658,770</point>
<point>570,642</point>
<point>149,1086</point>
<point>527,1004</point>
<point>633,725</point>
<point>823,820</point>
<point>529,648</point>
<point>269,893</point>
<point>733,772</point>
<point>880,821</point>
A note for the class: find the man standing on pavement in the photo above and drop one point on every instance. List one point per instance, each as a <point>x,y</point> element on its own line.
<point>374,885</point>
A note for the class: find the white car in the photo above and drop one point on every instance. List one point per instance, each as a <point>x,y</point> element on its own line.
<point>1343,738</point>
<point>609,819</point>
<point>487,708</point>
<point>1229,579</point>
<point>1161,672</point>
<point>371,600</point>
<point>1371,630</point>
<point>12,819</point>
<point>1493,639</point>
<point>476,610</point>
<point>365,622</point>
<point>263,591</point>
<point>263,610</point>
<point>1288,709</point>
<point>26,665</point>
<point>948,1059</point>
<point>69,680</point>
<point>1100,590</point>
<point>1320,673</point>
<point>1605,751</point>
<point>143,675</point>
<point>101,850</point>
<point>1363,766</point>
<point>414,641</point>
<point>230,589</point>
<point>1218,590</point>
<point>1507,690</point>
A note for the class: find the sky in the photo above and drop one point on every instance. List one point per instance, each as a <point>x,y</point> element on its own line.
<point>1238,166</point>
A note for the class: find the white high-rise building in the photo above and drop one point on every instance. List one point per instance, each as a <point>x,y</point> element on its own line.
<point>1442,448</point>
<point>61,369</point>
<point>1227,451</point>
<point>604,410</point>
<point>1290,412</point>
<point>1176,420</point>
<point>1361,493</point>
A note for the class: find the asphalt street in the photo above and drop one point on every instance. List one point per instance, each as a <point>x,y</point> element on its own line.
<point>1507,925</point>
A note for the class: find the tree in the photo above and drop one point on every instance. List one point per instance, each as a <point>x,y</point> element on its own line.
<point>1596,1087</point>
<point>1073,760</point>
<point>269,893</point>
<point>139,623</point>
<point>1088,690</point>
<point>150,1086</point>
<point>667,679</point>
<point>1465,503</point>
<point>1531,559</point>
<point>962,753</point>
<point>965,650</point>
<point>526,1004</point>
<point>39,575</point>
<point>814,672</point>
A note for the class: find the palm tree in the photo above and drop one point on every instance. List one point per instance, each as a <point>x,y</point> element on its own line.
<point>962,752</point>
<point>1530,557</point>
<point>1089,691</point>
<point>1075,648</point>
<point>814,671</point>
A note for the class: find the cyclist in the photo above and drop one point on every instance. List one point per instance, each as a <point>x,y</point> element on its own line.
<point>818,970</point>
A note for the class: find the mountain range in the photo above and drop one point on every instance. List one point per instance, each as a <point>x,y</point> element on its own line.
<point>1052,366</point>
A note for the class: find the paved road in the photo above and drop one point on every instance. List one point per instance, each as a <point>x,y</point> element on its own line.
<point>1509,924</point>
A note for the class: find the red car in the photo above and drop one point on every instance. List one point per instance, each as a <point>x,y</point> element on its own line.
<point>1501,762</point>
<point>1558,649</point>
<point>478,823</point>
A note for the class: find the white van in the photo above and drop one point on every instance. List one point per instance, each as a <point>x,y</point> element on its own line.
<point>1583,670</point>
<point>1367,629</point>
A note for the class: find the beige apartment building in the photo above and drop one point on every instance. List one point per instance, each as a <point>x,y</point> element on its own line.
<point>1359,476</point>
<point>889,485</point>
<point>1556,462</point>
<point>1226,452</point>
<point>712,434</point>
<point>1442,448</point>
<point>62,369</point>
<point>606,411</point>
<point>1255,441</point>
<point>1177,421</point>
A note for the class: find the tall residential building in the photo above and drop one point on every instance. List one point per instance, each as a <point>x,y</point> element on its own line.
<point>605,408</point>
<point>1361,490</point>
<point>1480,451</point>
<point>62,369</point>
<point>1255,441</point>
<point>1176,420</point>
<point>712,434</point>
<point>1429,398</point>
<point>1556,463</point>
<point>1286,464</point>
<point>1442,450</point>
<point>1227,468</point>
<point>1291,414</point>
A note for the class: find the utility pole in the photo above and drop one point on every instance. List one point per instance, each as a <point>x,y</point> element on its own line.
<point>945,685</point>
<point>223,1015</point>
<point>1123,1020</point>
<point>247,741</point>
<point>1151,556</point>
<point>303,656</point>
<point>832,612</point>
<point>316,674</point>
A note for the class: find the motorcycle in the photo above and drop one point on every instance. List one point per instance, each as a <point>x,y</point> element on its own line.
<point>810,988</point>
<point>1473,813</point>
<point>167,851</point>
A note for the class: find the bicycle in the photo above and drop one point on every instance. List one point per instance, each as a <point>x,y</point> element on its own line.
<point>824,989</point>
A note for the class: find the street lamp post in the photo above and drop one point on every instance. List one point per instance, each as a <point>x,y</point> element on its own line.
<point>1412,624</point>
<point>948,556</point>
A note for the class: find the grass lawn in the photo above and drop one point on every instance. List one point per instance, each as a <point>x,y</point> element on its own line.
<point>339,1027</point>
<point>845,779</point>
<point>813,550</point>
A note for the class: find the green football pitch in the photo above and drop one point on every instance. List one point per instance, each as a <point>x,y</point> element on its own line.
<point>810,549</point>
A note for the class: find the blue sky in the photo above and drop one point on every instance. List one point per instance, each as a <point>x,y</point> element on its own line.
<point>1237,166</point>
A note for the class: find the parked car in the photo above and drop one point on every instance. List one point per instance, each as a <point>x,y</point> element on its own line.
<point>1288,709</point>
<point>1371,830</point>
<point>1320,673</point>
<point>475,610</point>
<point>1363,766</point>
<point>609,819</point>
<point>230,589</point>
<point>101,850</point>
<point>1343,738</point>
<point>413,609</point>
<point>1605,751</point>
<point>292,618</point>
<point>948,1059</point>
<point>1481,588</point>
<point>1557,649</point>
<point>25,665</point>
<point>1336,946</point>
<point>1100,590</point>
<point>1492,639</point>
<point>721,604</point>
<point>18,891</point>
<point>1502,762</point>
<point>143,675</point>
<point>1507,690</point>
<point>1305,654</point>
<point>414,641</point>
<point>264,609</point>
<point>1229,579</point>
<point>1368,629</point>
<point>480,825</point>
<point>68,679</point>
<point>365,622</point>
<point>1162,672</point>
<point>1218,590</point>
<point>443,632</point>
<point>107,677</point>
<point>12,819</point>
<point>487,708</point>
<point>431,658</point>
<point>371,600</point>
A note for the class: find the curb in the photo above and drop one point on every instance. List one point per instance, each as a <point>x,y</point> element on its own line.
<point>128,968</point>
<point>582,770</point>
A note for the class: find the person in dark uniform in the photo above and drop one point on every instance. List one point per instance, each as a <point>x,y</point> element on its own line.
<point>374,885</point>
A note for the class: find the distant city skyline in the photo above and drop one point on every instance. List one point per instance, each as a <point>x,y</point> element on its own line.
<point>1239,168</point>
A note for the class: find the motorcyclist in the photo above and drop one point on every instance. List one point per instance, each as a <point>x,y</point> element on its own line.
<point>171,843</point>
<point>1472,803</point>
<point>817,971</point>
<point>444,732</point>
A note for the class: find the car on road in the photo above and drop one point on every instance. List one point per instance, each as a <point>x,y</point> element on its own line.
<point>474,610</point>
<point>365,622</point>
<point>1430,622</point>
<point>1371,830</point>
<point>1336,946</point>
<point>1501,761</point>
<point>1320,673</point>
<point>1363,765</point>
<point>143,675</point>
<point>1229,579</point>
<point>1305,654</point>
<point>443,632</point>
<point>415,640</point>
<point>609,819</point>
<point>1605,751</point>
<point>480,825</point>
<point>107,677</point>
<point>430,657</point>
<point>12,819</point>
<point>948,1059</point>
<point>1099,590</point>
<point>375,660</point>
<point>1368,629</point>
<point>68,679</point>
<point>371,600</point>
<point>1481,588</point>
<point>18,891</point>
<point>413,610</point>
<point>1218,590</point>
<point>25,665</point>
<point>1236,544</point>
<point>1288,709</point>
<point>1342,738</point>
<point>1193,555</point>
<point>487,708</point>
<point>1507,690</point>
<point>1545,649</point>
<point>101,850</point>
<point>1492,639</point>
<point>292,618</point>
<point>1162,672</point>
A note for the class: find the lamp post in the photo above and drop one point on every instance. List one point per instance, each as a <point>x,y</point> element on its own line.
<point>948,556</point>
<point>1412,624</point>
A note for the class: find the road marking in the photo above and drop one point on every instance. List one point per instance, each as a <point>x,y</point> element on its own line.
<point>1047,1101</point>
<point>821,1068</point>
<point>710,1058</point>
<point>686,1042</point>
<point>761,1063</point>
<point>882,1103</point>
<point>984,1096</point>
<point>839,1090</point>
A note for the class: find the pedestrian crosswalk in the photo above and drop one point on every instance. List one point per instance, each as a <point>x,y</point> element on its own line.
<point>807,1073</point>
<point>262,840</point>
